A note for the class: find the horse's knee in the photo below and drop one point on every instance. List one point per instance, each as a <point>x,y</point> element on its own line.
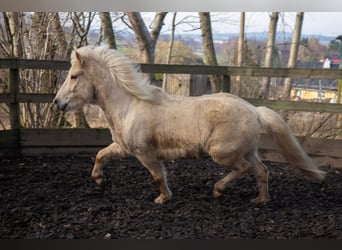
<point>240,168</point>
<point>104,155</point>
<point>100,156</point>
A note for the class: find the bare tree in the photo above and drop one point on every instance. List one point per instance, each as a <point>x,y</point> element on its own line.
<point>208,46</point>
<point>82,22</point>
<point>240,52</point>
<point>107,28</point>
<point>62,50</point>
<point>265,85</point>
<point>44,38</point>
<point>293,53</point>
<point>169,52</point>
<point>14,24</point>
<point>146,40</point>
<point>292,61</point>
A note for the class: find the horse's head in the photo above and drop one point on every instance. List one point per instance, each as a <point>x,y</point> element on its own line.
<point>78,88</point>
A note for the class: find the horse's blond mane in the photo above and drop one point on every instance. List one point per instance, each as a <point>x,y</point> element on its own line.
<point>126,73</point>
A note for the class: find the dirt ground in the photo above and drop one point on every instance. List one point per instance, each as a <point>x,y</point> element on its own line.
<point>55,198</point>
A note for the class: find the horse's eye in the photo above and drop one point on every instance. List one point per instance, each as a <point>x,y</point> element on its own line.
<point>73,77</point>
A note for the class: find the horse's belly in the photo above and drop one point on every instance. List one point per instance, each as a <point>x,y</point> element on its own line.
<point>168,148</point>
<point>178,153</point>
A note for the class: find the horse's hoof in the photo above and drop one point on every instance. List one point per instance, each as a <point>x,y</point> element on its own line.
<point>217,194</point>
<point>101,189</point>
<point>161,199</point>
<point>260,200</point>
<point>99,181</point>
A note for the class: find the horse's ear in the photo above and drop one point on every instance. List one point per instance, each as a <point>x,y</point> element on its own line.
<point>79,58</point>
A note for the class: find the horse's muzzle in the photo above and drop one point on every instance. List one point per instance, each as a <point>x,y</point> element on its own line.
<point>60,105</point>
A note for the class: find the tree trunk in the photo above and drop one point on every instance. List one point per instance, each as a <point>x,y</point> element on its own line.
<point>107,27</point>
<point>293,53</point>
<point>62,52</point>
<point>265,85</point>
<point>169,52</point>
<point>240,53</point>
<point>208,47</point>
<point>146,40</point>
<point>292,60</point>
<point>82,23</point>
<point>14,28</point>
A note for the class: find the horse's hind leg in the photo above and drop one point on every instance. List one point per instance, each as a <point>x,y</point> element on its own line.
<point>102,158</point>
<point>158,172</point>
<point>261,175</point>
<point>240,168</point>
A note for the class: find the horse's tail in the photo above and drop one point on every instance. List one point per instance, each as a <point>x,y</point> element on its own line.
<point>289,145</point>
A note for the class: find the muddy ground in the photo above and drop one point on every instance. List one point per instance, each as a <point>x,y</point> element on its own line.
<point>55,198</point>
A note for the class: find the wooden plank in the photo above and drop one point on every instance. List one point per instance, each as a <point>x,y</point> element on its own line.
<point>43,64</point>
<point>9,143</point>
<point>35,98</point>
<point>8,152</point>
<point>190,69</point>
<point>8,138</point>
<point>65,137</point>
<point>322,147</point>
<point>102,137</point>
<point>243,71</point>
<point>184,69</point>
<point>325,152</point>
<point>89,141</point>
<point>6,98</point>
<point>335,163</point>
<point>297,106</point>
<point>60,151</point>
<point>313,146</point>
<point>13,87</point>
<point>328,161</point>
<point>285,72</point>
<point>332,162</point>
<point>7,63</point>
<point>273,104</point>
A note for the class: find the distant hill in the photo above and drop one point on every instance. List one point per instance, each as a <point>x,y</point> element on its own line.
<point>281,36</point>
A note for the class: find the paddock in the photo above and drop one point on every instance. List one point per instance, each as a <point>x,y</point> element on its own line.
<point>46,196</point>
<point>55,198</point>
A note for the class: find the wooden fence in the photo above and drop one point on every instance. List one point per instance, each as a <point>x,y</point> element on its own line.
<point>24,141</point>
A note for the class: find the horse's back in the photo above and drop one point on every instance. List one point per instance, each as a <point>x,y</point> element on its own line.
<point>235,121</point>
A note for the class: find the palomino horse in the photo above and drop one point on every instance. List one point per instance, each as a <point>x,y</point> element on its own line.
<point>153,126</point>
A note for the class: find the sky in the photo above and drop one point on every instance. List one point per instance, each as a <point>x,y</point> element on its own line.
<point>318,23</point>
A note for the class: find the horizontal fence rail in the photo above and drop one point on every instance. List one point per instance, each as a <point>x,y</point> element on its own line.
<point>59,141</point>
<point>243,71</point>
<point>273,104</point>
<point>189,69</point>
<point>81,141</point>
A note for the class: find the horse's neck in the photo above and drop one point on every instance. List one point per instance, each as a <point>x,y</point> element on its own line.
<point>114,101</point>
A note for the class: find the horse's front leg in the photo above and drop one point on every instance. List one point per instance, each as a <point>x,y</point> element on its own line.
<point>159,174</point>
<point>103,157</point>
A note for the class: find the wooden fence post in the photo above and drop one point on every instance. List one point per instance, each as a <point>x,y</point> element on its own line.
<point>226,84</point>
<point>14,109</point>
